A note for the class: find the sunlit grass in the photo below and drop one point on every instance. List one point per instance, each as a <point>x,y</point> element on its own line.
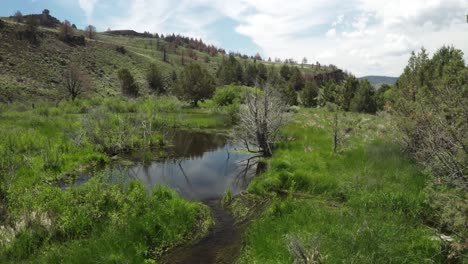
<point>363,205</point>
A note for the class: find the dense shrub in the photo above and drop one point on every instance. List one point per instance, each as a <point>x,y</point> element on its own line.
<point>127,83</point>
<point>121,49</point>
<point>309,95</point>
<point>155,79</point>
<point>228,95</point>
<point>194,84</point>
<point>363,100</point>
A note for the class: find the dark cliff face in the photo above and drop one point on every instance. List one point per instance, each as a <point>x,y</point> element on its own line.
<point>335,76</point>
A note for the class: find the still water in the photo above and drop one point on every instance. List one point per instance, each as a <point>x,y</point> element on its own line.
<point>199,166</point>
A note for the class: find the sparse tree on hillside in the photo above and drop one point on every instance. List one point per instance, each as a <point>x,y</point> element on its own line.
<point>45,17</point>
<point>90,32</point>
<point>76,81</point>
<point>297,79</point>
<point>339,126</point>
<point>230,71</point>
<point>164,54</point>
<point>31,28</point>
<point>155,79</point>
<point>18,17</point>
<point>127,83</point>
<point>304,62</point>
<point>66,31</point>
<point>261,119</point>
<point>258,57</point>
<point>194,84</point>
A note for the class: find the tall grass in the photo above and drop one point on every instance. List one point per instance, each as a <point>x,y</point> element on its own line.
<point>101,221</point>
<point>364,205</point>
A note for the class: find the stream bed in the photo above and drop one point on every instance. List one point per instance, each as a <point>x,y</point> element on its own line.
<point>201,166</point>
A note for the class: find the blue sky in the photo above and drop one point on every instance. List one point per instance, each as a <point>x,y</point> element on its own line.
<point>362,36</point>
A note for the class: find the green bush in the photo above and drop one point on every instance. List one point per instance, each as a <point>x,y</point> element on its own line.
<point>228,95</point>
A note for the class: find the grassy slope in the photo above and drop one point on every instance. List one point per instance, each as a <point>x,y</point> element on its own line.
<point>33,72</point>
<point>364,205</point>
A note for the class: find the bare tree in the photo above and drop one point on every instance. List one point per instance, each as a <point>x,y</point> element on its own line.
<point>90,32</point>
<point>76,82</point>
<point>261,119</point>
<point>66,31</point>
<point>18,17</point>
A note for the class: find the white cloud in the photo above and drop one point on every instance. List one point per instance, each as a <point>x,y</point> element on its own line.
<point>362,36</point>
<point>88,7</point>
<point>331,33</point>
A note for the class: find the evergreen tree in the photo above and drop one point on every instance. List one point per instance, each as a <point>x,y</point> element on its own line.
<point>127,83</point>
<point>350,86</point>
<point>328,93</point>
<point>194,84</point>
<point>363,100</point>
<point>250,74</point>
<point>380,96</point>
<point>230,71</point>
<point>297,80</point>
<point>262,72</point>
<point>155,79</point>
<point>309,94</point>
<point>285,72</point>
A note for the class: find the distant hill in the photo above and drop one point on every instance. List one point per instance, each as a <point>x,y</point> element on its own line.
<point>34,71</point>
<point>377,81</point>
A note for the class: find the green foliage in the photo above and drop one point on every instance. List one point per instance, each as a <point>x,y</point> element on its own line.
<point>230,71</point>
<point>380,96</point>
<point>363,100</point>
<point>350,87</point>
<point>262,72</point>
<point>309,95</point>
<point>155,79</point>
<point>228,95</point>
<point>127,83</point>
<point>297,80</point>
<point>328,93</point>
<point>285,72</point>
<point>289,95</point>
<point>251,73</point>
<point>364,205</point>
<point>194,84</point>
<point>108,218</point>
<point>430,101</point>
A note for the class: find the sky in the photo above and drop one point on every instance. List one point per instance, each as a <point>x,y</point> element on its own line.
<point>364,37</point>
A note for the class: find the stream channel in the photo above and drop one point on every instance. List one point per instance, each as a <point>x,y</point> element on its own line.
<point>200,166</point>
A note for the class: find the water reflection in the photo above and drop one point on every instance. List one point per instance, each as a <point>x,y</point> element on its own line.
<point>200,166</point>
